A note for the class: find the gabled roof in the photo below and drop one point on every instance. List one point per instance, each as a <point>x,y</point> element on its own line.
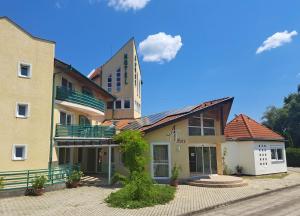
<point>72,71</point>
<point>26,32</point>
<point>155,121</point>
<point>243,127</point>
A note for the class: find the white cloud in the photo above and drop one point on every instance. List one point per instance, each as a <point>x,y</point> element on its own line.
<point>276,40</point>
<point>57,5</point>
<point>126,5</point>
<point>160,47</point>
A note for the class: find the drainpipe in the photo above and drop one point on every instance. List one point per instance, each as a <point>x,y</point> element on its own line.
<point>52,121</point>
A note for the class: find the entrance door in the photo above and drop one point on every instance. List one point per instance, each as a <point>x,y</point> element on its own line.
<point>91,160</point>
<point>160,161</point>
<point>202,160</point>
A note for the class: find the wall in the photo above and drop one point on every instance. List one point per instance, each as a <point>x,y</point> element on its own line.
<point>17,46</point>
<point>179,151</point>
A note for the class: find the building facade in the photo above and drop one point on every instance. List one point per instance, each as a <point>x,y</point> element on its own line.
<point>26,65</point>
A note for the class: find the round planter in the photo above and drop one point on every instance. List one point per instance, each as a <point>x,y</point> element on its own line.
<point>174,183</point>
<point>73,184</point>
<point>38,191</point>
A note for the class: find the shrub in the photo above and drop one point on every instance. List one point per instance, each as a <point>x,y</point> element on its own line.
<point>175,173</point>
<point>293,157</point>
<point>1,182</point>
<point>39,182</point>
<point>75,176</point>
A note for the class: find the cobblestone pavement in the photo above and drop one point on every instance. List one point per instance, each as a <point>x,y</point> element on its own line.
<point>90,200</point>
<point>281,203</point>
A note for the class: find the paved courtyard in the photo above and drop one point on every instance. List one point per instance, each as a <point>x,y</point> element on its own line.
<point>90,200</point>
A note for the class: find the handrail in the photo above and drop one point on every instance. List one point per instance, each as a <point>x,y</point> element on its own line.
<point>64,94</point>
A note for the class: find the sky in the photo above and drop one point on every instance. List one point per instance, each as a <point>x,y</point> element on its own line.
<point>190,51</point>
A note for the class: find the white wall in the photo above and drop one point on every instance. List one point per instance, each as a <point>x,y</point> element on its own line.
<point>254,157</point>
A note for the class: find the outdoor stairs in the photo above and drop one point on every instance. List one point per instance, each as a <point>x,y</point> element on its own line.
<point>92,181</point>
<point>218,181</point>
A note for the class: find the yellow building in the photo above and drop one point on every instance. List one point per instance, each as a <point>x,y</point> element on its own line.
<point>26,65</point>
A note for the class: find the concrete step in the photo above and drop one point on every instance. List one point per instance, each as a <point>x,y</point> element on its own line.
<point>218,184</point>
<point>206,181</point>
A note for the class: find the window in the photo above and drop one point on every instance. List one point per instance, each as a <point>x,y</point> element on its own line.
<point>137,107</point>
<point>276,154</point>
<point>201,126</point>
<point>66,84</point>
<point>135,76</point>
<point>87,91</point>
<point>109,83</point>
<point>109,105</point>
<point>63,156</point>
<point>118,104</point>
<point>22,110</point>
<point>65,118</point>
<point>24,70</point>
<point>19,152</point>
<point>118,80</point>
<point>127,104</point>
<point>160,163</point>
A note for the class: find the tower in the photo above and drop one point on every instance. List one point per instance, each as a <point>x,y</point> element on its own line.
<point>121,76</point>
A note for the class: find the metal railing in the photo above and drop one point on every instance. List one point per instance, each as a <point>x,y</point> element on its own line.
<point>87,131</point>
<point>23,179</point>
<point>65,94</point>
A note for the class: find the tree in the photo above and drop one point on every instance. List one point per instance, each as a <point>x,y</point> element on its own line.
<point>286,120</point>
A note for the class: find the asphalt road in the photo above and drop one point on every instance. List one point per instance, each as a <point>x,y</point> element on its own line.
<point>282,203</point>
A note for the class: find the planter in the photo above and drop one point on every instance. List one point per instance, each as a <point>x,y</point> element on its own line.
<point>73,184</point>
<point>38,191</point>
<point>174,183</point>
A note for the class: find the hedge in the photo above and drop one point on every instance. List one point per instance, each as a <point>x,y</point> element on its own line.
<point>293,157</point>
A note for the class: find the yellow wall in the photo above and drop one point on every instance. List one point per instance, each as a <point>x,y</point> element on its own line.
<point>128,91</point>
<point>179,151</point>
<point>17,46</point>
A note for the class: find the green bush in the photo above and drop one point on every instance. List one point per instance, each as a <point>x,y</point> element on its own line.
<point>175,173</point>
<point>75,176</point>
<point>1,182</point>
<point>293,157</point>
<point>39,182</point>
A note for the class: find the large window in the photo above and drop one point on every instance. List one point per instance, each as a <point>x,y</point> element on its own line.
<point>276,154</point>
<point>63,156</point>
<point>127,104</point>
<point>201,126</point>
<point>66,84</point>
<point>65,118</point>
<point>160,161</point>
<point>19,152</point>
<point>118,104</point>
<point>109,83</point>
<point>118,80</point>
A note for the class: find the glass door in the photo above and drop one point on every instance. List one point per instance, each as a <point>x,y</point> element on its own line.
<point>160,164</point>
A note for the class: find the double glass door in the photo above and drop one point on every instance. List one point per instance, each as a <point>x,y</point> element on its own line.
<point>202,160</point>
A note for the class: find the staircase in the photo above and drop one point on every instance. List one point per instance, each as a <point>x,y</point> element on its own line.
<point>92,181</point>
<point>218,181</point>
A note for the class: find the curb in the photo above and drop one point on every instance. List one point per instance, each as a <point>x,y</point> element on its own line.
<point>238,200</point>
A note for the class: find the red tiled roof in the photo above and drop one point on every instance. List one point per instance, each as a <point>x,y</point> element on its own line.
<point>243,127</point>
<point>171,118</point>
<point>119,124</point>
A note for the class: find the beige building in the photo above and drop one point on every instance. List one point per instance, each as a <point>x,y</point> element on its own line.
<point>26,65</point>
<point>121,76</point>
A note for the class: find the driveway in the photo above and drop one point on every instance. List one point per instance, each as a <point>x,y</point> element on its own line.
<point>283,203</point>
<point>90,200</point>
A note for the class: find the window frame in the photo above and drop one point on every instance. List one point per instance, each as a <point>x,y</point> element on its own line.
<point>118,71</point>
<point>276,148</point>
<point>27,110</point>
<point>13,156</point>
<point>109,89</point>
<point>67,113</point>
<point>202,117</point>
<point>128,100</point>
<point>115,104</point>
<point>29,71</point>
<point>169,159</point>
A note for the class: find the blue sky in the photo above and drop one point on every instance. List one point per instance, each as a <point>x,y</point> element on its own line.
<point>218,53</point>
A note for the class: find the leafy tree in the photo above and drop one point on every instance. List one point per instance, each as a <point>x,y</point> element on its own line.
<point>286,120</point>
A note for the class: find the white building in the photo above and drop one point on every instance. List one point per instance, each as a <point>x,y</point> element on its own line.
<point>253,146</point>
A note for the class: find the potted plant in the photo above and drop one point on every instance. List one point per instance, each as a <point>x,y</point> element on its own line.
<point>38,184</point>
<point>174,176</point>
<point>74,178</point>
<point>239,170</point>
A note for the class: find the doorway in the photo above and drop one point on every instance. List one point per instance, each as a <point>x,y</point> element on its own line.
<point>91,160</point>
<point>202,160</point>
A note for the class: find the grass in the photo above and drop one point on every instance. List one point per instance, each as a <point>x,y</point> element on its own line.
<point>159,194</point>
<point>271,176</point>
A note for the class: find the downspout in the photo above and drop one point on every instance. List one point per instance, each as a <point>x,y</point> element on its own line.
<point>52,121</point>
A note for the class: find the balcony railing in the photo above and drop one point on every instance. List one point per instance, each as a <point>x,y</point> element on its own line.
<point>84,131</point>
<point>65,94</point>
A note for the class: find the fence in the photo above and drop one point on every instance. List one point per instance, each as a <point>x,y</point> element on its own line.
<point>23,179</point>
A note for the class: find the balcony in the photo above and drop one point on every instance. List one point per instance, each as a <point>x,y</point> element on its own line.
<point>84,131</point>
<point>74,97</point>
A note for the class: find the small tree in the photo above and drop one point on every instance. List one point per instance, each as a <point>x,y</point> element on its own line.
<point>134,149</point>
